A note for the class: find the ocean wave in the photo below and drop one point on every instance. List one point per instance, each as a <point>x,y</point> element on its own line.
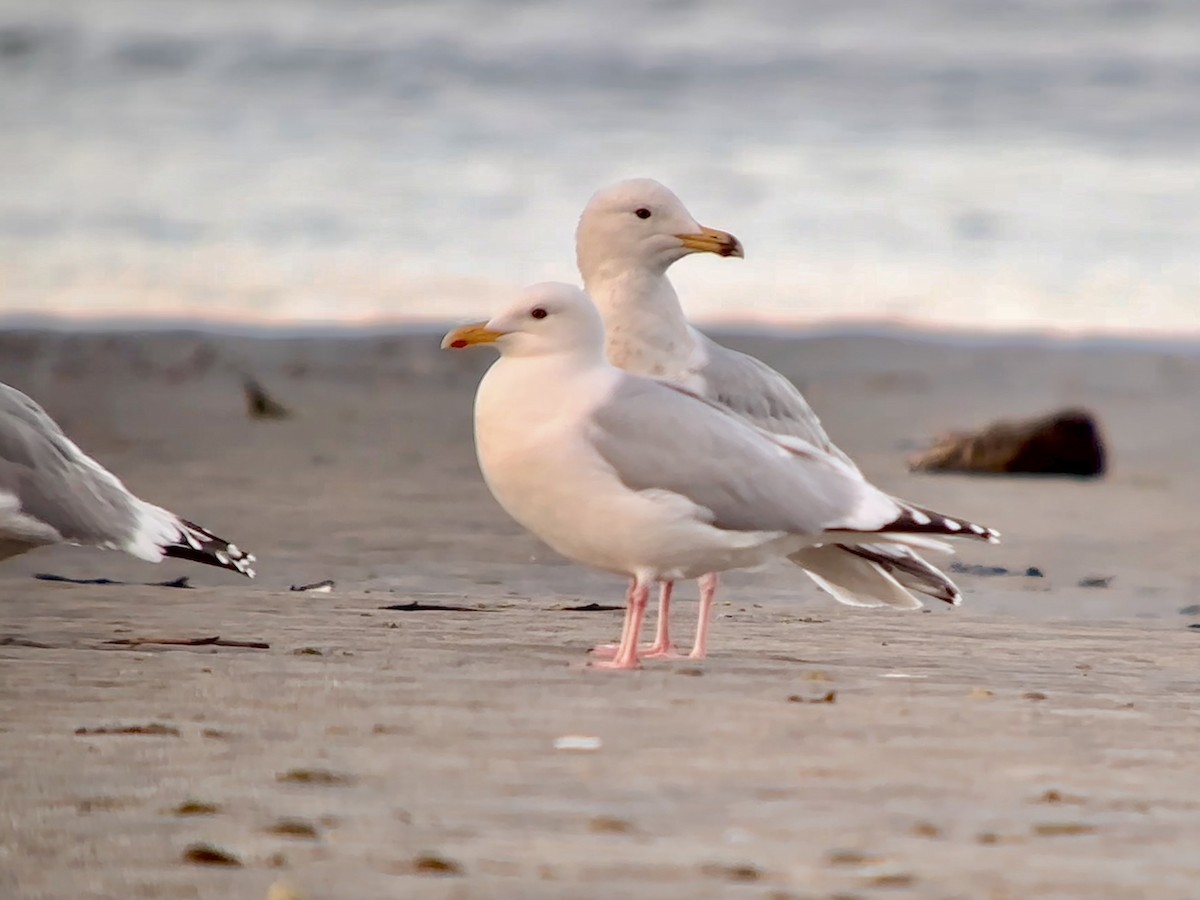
<point>969,163</point>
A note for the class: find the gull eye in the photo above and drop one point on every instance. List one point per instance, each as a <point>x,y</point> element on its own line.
<point>538,313</point>
<point>642,213</point>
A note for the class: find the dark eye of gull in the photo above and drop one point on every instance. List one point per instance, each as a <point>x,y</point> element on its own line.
<point>538,313</point>
<point>642,213</point>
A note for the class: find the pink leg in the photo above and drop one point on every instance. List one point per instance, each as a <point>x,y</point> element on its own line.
<point>662,648</point>
<point>708,592</point>
<point>627,650</point>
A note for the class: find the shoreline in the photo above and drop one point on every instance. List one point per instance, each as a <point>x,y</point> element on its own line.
<point>35,325</point>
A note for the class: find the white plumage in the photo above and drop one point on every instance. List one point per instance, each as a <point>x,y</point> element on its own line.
<point>640,477</point>
<point>52,492</point>
<point>628,236</point>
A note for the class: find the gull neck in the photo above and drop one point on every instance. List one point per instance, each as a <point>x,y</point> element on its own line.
<point>645,328</point>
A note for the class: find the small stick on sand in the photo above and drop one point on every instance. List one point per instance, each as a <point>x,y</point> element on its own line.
<point>191,642</point>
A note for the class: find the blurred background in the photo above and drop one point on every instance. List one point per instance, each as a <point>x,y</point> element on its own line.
<point>1027,165</point>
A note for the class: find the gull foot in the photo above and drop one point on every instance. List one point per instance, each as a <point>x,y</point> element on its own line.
<point>650,651</point>
<point>615,664</point>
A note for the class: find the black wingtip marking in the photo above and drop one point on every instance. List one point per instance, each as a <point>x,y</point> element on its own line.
<point>200,545</point>
<point>916,520</point>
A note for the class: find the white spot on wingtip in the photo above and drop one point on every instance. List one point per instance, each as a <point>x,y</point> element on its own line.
<point>920,518</point>
<point>951,525</point>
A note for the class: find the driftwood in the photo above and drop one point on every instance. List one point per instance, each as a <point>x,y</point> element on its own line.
<point>1067,442</point>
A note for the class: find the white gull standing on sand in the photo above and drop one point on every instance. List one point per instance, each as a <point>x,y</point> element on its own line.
<point>51,492</point>
<point>628,236</point>
<point>640,477</point>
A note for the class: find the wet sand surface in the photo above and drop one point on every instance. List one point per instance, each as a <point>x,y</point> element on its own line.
<point>1037,741</point>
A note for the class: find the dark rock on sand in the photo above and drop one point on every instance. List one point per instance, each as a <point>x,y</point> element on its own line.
<point>1067,442</point>
<point>260,404</point>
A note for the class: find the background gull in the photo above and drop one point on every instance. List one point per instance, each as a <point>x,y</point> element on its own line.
<point>52,492</point>
<point>628,236</point>
<point>640,477</point>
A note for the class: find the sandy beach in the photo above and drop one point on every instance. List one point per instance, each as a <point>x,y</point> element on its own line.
<point>1038,741</point>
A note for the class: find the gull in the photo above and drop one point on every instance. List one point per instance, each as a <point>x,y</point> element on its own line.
<point>647,479</point>
<point>51,492</point>
<point>628,236</point>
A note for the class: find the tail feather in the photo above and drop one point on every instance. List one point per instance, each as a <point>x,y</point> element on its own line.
<point>853,579</point>
<point>875,575</point>
<point>200,545</point>
<point>909,569</point>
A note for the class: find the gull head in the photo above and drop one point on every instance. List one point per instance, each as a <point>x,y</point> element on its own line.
<point>640,224</point>
<point>546,318</point>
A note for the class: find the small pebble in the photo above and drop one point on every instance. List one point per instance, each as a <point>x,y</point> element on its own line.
<point>281,890</point>
<point>609,825</point>
<point>1056,796</point>
<point>294,828</point>
<point>892,879</point>
<point>432,864</point>
<point>312,776</point>
<point>196,808</point>
<point>209,855</point>
<point>1062,829</point>
<point>739,872</point>
<point>851,858</point>
<point>926,829</point>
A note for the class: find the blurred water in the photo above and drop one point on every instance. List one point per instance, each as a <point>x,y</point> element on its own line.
<point>962,162</point>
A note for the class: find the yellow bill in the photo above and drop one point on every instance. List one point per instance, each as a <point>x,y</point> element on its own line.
<point>710,240</point>
<point>470,335</point>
